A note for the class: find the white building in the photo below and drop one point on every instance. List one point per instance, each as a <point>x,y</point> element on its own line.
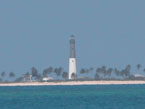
<point>138,75</point>
<point>47,78</point>
<point>27,78</point>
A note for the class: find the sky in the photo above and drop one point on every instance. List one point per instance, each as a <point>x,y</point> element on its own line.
<point>36,33</point>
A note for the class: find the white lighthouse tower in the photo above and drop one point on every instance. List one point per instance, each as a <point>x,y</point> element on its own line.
<point>72,59</point>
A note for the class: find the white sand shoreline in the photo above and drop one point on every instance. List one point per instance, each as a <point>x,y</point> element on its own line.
<point>73,83</point>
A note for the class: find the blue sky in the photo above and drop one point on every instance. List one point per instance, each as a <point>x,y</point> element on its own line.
<point>36,33</point>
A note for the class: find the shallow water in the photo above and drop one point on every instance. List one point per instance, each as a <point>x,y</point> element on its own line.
<point>73,97</point>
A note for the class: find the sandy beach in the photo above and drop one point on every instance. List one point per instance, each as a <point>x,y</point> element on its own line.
<point>73,83</point>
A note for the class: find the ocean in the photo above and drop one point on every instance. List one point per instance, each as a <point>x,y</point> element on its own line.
<point>73,97</point>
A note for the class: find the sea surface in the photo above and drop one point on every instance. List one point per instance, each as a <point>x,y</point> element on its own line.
<point>73,97</point>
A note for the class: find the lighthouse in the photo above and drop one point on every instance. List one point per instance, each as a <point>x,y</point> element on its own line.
<point>72,59</point>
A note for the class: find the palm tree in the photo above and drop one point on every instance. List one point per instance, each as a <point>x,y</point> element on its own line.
<point>117,72</point>
<point>138,66</point>
<point>109,71</point>
<point>3,74</point>
<point>34,72</point>
<point>124,73</point>
<point>58,71</point>
<point>121,73</point>
<point>45,73</point>
<point>97,77</point>
<point>11,74</point>
<point>144,70</point>
<point>127,70</point>
<point>128,67</point>
<point>82,71</point>
<point>98,70</point>
<point>65,75</point>
<point>50,69</point>
<point>103,70</point>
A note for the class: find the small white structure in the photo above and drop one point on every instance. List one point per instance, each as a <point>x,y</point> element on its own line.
<point>72,59</point>
<point>138,75</point>
<point>27,78</point>
<point>47,78</point>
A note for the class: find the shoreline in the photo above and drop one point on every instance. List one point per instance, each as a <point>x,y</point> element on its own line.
<point>71,83</point>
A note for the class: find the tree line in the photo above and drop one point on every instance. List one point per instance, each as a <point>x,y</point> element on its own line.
<point>105,73</point>
<point>100,73</point>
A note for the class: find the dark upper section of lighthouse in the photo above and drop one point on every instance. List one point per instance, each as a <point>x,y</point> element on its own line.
<point>72,47</point>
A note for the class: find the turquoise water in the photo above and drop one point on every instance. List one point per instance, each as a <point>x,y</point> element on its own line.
<point>73,97</point>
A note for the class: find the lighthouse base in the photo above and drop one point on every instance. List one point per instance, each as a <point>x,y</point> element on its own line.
<point>72,68</point>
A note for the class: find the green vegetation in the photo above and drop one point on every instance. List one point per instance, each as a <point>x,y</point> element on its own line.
<point>100,73</point>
